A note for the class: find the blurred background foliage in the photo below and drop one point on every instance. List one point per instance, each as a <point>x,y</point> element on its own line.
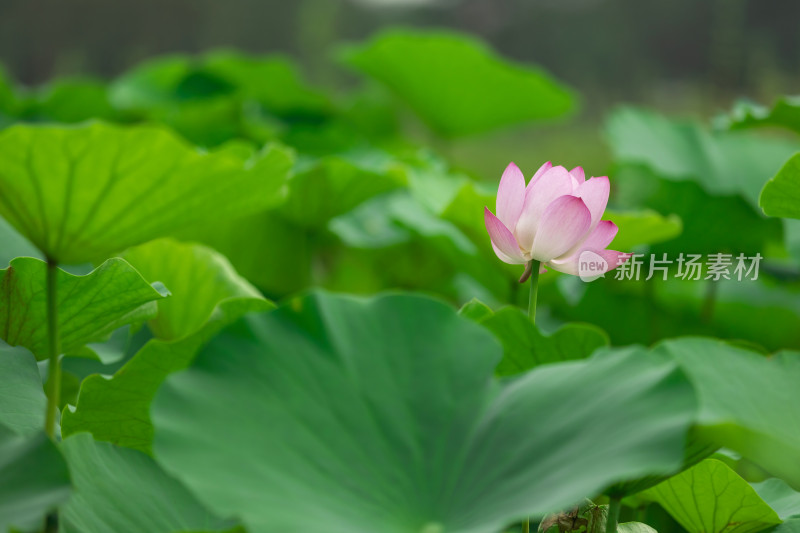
<point>402,115</point>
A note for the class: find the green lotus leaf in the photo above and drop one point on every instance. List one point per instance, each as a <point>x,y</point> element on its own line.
<point>333,185</point>
<point>33,479</point>
<point>456,84</point>
<point>21,392</point>
<point>784,113</point>
<point>253,243</point>
<point>745,400</point>
<point>781,194</point>
<point>198,279</point>
<point>642,227</point>
<point>475,310</point>
<point>90,307</point>
<point>525,346</point>
<point>781,497</point>
<point>722,163</point>
<point>171,81</point>
<point>12,245</point>
<point>790,526</point>
<point>273,81</point>
<point>209,295</point>
<point>712,498</point>
<point>351,413</point>
<point>82,193</point>
<point>73,100</point>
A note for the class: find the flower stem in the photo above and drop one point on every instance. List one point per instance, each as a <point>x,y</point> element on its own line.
<point>614,504</point>
<point>54,365</point>
<point>532,271</point>
<point>534,268</point>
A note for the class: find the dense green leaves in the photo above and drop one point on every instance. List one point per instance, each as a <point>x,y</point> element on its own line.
<point>89,307</point>
<point>456,84</point>
<point>167,82</point>
<point>422,437</point>
<point>781,194</point>
<point>82,193</point>
<point>33,479</point>
<point>334,185</point>
<point>208,295</point>
<point>125,491</point>
<point>392,414</point>
<point>118,409</point>
<point>712,498</point>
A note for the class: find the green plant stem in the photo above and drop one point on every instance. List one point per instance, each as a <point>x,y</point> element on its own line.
<point>709,302</point>
<point>534,265</point>
<point>51,522</point>
<point>53,372</point>
<point>54,365</point>
<point>534,294</point>
<point>614,504</point>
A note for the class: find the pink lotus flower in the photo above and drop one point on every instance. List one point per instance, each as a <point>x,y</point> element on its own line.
<point>553,220</point>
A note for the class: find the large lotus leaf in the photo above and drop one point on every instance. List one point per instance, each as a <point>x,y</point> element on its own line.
<point>21,392</point>
<point>33,479</point>
<point>349,413</point>
<point>723,163</point>
<point>90,307</point>
<point>82,193</point>
<point>784,113</point>
<point>125,491</point>
<point>198,279</point>
<point>781,194</point>
<point>525,346</point>
<point>712,498</point>
<point>781,497</point>
<point>117,410</point>
<point>456,84</point>
<point>746,401</point>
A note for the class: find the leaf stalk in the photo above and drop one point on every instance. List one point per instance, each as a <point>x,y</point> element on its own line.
<point>54,364</point>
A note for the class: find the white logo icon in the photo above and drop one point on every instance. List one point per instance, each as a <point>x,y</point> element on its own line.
<point>591,266</point>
